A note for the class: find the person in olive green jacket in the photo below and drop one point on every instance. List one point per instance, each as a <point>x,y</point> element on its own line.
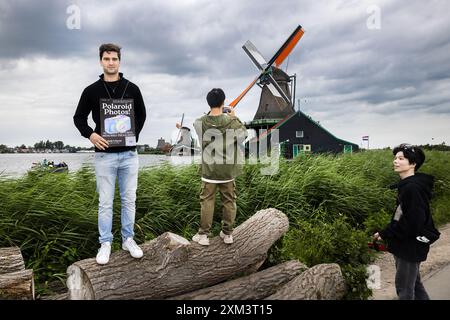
<point>221,135</point>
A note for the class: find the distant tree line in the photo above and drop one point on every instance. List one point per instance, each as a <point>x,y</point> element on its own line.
<point>4,148</point>
<point>438,147</point>
<point>42,146</point>
<point>146,149</point>
<point>57,145</point>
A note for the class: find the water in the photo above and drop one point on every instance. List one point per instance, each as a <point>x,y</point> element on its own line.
<point>17,164</point>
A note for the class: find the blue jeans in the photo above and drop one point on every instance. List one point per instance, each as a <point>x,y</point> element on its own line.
<point>124,166</point>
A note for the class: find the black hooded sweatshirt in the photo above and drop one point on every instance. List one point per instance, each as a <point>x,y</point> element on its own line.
<point>413,211</point>
<point>90,102</point>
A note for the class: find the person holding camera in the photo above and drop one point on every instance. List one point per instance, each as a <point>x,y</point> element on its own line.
<point>220,133</point>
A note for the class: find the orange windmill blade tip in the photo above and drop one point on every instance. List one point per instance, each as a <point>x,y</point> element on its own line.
<point>289,47</point>
<point>282,49</point>
<point>243,93</point>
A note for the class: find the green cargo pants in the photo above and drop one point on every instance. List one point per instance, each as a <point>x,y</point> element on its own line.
<point>207,200</point>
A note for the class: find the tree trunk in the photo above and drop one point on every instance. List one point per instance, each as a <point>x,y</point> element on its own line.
<point>59,296</point>
<point>321,282</point>
<point>172,265</point>
<point>18,285</point>
<point>15,282</point>
<point>11,260</point>
<point>253,287</point>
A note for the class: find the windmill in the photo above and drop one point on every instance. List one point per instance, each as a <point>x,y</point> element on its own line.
<point>298,133</point>
<point>265,77</point>
<point>184,144</point>
<point>276,102</point>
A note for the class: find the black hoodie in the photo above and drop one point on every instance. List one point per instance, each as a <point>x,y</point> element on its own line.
<point>413,210</point>
<point>90,102</point>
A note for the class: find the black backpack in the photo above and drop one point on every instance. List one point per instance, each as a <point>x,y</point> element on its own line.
<point>429,231</point>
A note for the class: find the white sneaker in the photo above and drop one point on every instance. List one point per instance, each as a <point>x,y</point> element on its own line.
<point>131,246</point>
<point>227,238</point>
<point>201,239</point>
<point>103,253</point>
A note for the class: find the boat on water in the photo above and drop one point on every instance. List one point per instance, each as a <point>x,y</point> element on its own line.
<point>49,166</point>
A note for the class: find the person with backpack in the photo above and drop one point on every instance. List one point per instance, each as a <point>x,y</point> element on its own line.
<point>408,234</point>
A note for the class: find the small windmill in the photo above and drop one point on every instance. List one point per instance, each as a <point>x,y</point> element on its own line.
<point>184,144</point>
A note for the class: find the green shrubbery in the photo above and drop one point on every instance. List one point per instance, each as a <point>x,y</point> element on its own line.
<point>315,241</point>
<point>334,203</point>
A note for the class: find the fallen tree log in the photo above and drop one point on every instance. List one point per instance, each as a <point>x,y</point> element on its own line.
<point>253,287</point>
<point>59,296</point>
<point>321,282</point>
<point>172,265</point>
<point>17,285</point>
<point>11,260</point>
<point>15,282</point>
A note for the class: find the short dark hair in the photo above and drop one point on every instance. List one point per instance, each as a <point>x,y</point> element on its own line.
<point>107,47</point>
<point>414,154</point>
<point>215,97</point>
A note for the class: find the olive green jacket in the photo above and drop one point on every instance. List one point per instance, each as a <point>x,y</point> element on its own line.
<point>221,139</point>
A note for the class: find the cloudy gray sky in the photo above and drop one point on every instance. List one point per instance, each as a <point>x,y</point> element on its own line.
<point>377,68</point>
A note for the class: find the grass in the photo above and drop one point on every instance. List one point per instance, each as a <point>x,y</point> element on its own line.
<point>333,204</point>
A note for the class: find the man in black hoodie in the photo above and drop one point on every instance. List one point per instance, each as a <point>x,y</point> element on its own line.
<point>118,111</point>
<point>403,234</point>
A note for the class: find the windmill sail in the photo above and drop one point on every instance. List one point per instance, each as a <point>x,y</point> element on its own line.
<point>255,55</point>
<point>287,47</point>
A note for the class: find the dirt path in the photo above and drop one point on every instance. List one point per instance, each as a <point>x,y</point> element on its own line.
<point>438,257</point>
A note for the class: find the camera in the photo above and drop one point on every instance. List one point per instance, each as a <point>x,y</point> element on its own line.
<point>227,109</point>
